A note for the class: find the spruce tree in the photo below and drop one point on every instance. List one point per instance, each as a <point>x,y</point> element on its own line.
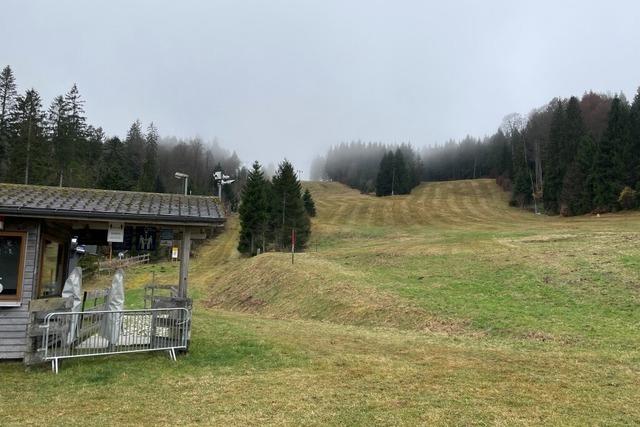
<point>385,178</point>
<point>573,133</point>
<point>29,153</point>
<point>147,181</point>
<point>58,132</point>
<point>402,178</point>
<point>553,168</point>
<point>113,173</point>
<point>626,156</point>
<point>522,191</point>
<point>76,134</point>
<point>309,204</point>
<point>254,212</point>
<point>8,96</point>
<point>95,140</point>
<point>135,150</point>
<point>634,137</point>
<point>577,187</point>
<point>608,172</point>
<point>288,211</point>
<point>574,130</point>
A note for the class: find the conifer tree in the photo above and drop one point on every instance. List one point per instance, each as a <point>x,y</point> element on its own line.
<point>254,212</point>
<point>634,137</point>
<point>573,132</point>
<point>113,174</point>
<point>608,169</point>
<point>95,141</point>
<point>554,169</point>
<point>385,178</point>
<point>288,211</point>
<point>402,178</point>
<point>57,129</point>
<point>76,134</point>
<point>309,204</point>
<point>29,154</point>
<point>7,102</point>
<point>147,181</point>
<point>135,153</point>
<point>577,187</point>
<point>522,191</point>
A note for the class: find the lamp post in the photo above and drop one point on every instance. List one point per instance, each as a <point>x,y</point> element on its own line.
<point>180,175</point>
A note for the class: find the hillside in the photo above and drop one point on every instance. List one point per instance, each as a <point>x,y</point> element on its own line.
<point>442,307</point>
<point>451,256</point>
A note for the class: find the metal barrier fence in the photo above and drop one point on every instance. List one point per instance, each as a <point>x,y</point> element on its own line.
<point>93,333</point>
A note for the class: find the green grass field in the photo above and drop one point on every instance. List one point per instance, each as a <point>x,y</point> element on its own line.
<point>442,307</point>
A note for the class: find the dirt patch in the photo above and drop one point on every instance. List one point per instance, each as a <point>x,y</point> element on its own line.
<point>547,238</point>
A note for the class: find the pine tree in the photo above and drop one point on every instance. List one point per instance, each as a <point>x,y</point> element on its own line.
<point>254,212</point>
<point>147,181</point>
<point>288,211</point>
<point>8,96</point>
<point>608,174</point>
<point>385,178</point>
<point>309,204</point>
<point>554,169</point>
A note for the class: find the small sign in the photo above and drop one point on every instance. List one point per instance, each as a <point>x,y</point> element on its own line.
<point>174,252</point>
<point>116,232</point>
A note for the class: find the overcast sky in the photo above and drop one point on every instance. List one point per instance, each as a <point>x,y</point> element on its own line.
<point>274,79</point>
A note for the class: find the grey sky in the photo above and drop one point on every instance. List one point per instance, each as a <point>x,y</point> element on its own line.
<point>289,78</point>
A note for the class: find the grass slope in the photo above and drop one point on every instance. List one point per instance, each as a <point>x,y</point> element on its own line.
<point>442,307</point>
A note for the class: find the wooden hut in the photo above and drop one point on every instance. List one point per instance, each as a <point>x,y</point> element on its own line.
<point>37,225</point>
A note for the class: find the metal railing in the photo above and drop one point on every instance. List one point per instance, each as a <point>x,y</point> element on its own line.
<point>93,333</point>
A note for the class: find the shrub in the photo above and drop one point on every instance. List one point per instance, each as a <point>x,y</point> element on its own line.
<point>627,198</point>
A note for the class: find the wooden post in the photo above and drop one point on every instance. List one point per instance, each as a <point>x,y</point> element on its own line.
<point>185,248</point>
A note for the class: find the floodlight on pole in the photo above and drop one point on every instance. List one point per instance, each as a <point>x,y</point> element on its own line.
<point>221,179</point>
<point>180,175</point>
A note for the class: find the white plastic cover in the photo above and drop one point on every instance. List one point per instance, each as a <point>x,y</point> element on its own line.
<point>115,302</point>
<point>73,288</point>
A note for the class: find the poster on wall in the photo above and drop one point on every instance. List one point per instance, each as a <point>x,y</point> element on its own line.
<point>166,237</point>
<point>146,239</point>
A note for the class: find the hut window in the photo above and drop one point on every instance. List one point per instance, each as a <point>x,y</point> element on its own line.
<point>51,270</point>
<point>11,265</point>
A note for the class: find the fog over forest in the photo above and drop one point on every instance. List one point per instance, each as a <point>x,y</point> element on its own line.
<point>290,79</point>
